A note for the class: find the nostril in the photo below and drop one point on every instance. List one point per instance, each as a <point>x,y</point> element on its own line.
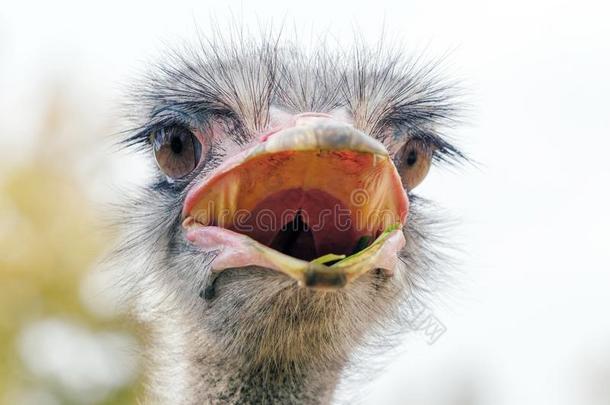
<point>270,132</point>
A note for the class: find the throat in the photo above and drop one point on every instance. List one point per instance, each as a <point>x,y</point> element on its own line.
<point>304,224</point>
<point>296,239</point>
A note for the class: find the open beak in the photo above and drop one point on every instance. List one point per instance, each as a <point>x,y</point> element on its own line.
<point>320,203</point>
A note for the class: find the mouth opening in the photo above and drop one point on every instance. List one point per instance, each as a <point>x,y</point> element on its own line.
<point>305,224</point>
<point>301,199</point>
<point>303,204</point>
<point>297,239</point>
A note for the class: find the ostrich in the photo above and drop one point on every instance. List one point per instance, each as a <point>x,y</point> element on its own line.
<point>280,232</point>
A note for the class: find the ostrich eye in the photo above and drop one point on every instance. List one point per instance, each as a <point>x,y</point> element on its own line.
<point>176,150</point>
<point>413,162</point>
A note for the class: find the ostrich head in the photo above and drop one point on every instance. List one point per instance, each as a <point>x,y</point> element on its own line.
<point>281,230</point>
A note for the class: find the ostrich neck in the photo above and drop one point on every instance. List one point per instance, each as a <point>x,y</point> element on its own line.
<point>210,375</point>
<point>240,382</point>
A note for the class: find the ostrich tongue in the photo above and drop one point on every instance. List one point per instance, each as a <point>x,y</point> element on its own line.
<point>332,258</point>
<point>360,253</point>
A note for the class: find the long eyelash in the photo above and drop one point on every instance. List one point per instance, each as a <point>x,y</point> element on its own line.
<point>140,136</point>
<point>444,151</point>
<point>167,117</point>
<point>189,115</point>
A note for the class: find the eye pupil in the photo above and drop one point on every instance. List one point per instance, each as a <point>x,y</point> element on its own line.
<point>176,145</point>
<point>412,158</point>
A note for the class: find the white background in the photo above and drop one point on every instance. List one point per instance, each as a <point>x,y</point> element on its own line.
<point>528,316</point>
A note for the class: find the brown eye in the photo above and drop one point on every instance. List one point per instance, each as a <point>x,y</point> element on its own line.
<point>176,150</point>
<point>413,162</point>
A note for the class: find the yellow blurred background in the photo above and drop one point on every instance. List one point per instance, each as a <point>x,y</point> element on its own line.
<point>58,345</point>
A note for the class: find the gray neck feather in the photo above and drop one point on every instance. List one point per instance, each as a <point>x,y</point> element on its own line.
<point>194,370</point>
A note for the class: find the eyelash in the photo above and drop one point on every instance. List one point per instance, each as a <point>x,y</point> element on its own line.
<point>444,152</point>
<point>231,126</point>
